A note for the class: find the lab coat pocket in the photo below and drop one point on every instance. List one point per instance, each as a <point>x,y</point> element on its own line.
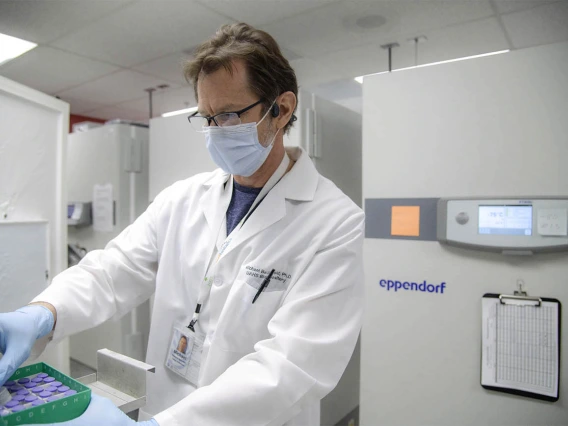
<point>246,323</point>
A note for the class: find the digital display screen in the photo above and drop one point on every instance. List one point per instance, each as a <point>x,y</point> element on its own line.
<point>505,220</point>
<point>70,210</point>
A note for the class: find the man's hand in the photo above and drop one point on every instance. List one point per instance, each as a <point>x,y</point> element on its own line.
<point>18,332</point>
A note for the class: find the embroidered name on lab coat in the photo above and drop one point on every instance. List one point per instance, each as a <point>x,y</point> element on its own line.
<point>278,282</point>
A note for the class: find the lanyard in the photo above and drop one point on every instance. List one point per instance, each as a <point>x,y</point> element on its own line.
<point>205,288</point>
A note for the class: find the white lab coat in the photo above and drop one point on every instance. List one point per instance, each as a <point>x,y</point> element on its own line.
<point>264,364</point>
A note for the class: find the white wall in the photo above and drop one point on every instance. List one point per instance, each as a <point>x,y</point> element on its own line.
<point>96,157</point>
<point>33,136</point>
<point>338,133</point>
<point>339,130</point>
<point>485,127</point>
<point>177,152</point>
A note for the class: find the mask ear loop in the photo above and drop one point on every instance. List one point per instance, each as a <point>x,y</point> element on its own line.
<point>266,113</point>
<point>274,107</point>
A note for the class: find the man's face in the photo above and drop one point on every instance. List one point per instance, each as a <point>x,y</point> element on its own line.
<point>222,91</point>
<point>182,345</point>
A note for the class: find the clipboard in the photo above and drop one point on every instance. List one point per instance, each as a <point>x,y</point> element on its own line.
<point>520,351</point>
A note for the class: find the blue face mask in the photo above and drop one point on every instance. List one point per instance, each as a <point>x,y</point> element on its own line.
<point>236,149</point>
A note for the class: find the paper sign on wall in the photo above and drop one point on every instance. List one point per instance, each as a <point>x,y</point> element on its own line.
<point>103,208</point>
<point>553,222</point>
<point>405,221</point>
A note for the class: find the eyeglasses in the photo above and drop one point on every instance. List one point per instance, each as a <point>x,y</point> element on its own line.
<point>223,119</point>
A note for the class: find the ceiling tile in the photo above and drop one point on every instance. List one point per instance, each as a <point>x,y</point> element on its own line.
<point>144,31</point>
<point>81,106</point>
<point>114,88</point>
<point>339,89</point>
<point>173,100</point>
<point>541,25</point>
<point>366,59</point>
<point>51,70</point>
<point>44,21</point>
<point>448,43</point>
<point>162,101</point>
<point>508,6</point>
<point>354,104</point>
<point>459,41</point>
<point>335,27</point>
<point>114,112</point>
<point>168,67</point>
<point>259,13</point>
<point>310,72</point>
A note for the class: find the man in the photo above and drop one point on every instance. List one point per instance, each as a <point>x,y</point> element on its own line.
<point>264,251</point>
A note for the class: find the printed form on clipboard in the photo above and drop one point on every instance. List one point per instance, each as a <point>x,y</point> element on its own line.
<point>521,345</point>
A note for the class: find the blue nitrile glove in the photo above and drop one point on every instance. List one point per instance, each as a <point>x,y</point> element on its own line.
<point>18,332</point>
<point>102,411</point>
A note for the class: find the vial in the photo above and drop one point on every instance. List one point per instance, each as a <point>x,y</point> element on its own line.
<point>4,396</point>
<point>55,397</point>
<point>38,402</point>
<point>37,380</point>
<point>63,389</point>
<point>30,398</point>
<point>18,408</point>
<point>57,384</point>
<point>11,404</point>
<point>30,385</point>
<point>24,381</point>
<point>23,392</point>
<point>42,375</point>
<point>51,389</point>
<point>45,394</point>
<point>70,392</point>
<point>48,379</point>
<point>37,389</point>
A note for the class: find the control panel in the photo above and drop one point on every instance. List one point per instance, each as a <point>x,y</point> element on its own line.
<point>508,225</point>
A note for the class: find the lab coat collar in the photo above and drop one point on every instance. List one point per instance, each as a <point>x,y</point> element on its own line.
<point>302,181</point>
<point>215,202</point>
<point>299,184</point>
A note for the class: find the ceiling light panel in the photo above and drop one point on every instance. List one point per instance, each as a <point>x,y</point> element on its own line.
<point>51,70</point>
<point>12,47</point>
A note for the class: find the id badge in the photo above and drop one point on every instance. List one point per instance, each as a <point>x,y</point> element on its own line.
<point>184,354</point>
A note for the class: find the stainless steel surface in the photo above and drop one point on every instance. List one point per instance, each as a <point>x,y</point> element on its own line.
<point>120,379</point>
<point>88,379</point>
<point>123,373</point>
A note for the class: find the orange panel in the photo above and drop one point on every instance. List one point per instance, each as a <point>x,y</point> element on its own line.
<point>405,221</point>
